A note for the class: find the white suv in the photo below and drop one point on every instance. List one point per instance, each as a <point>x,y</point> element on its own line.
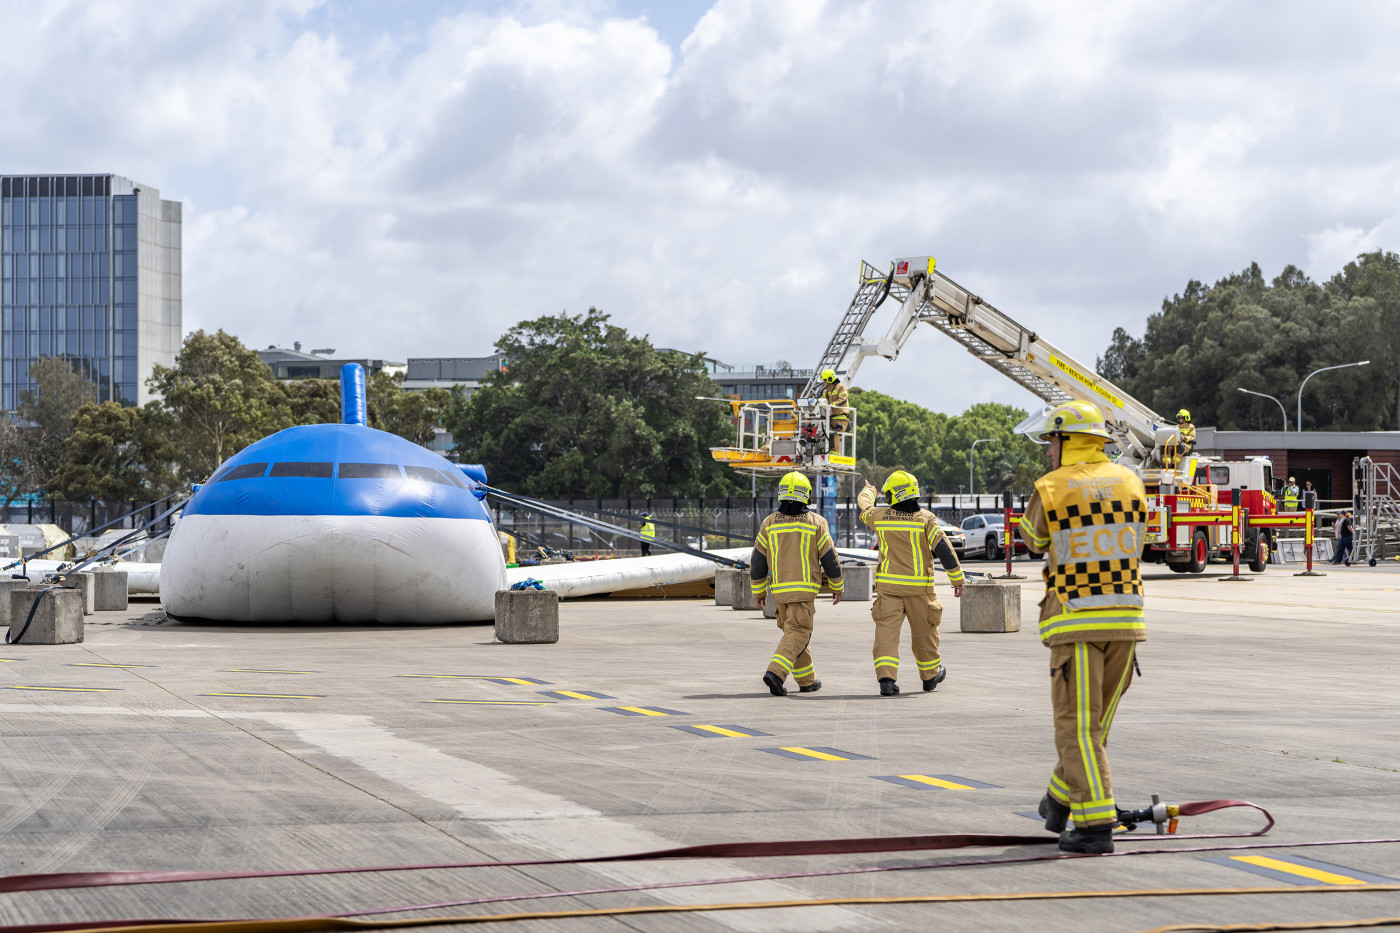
<point>984,536</point>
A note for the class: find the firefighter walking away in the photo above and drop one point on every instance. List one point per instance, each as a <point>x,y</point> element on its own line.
<point>792,551</point>
<point>1088,516</point>
<point>909,539</point>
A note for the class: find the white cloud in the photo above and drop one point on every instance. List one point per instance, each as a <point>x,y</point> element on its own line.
<point>417,191</point>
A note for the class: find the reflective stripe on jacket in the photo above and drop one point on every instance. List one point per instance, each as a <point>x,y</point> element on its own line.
<point>908,543</point>
<point>794,550</point>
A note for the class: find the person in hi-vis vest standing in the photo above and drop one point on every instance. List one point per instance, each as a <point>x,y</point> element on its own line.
<point>792,551</point>
<point>648,530</point>
<point>1087,516</point>
<point>909,539</point>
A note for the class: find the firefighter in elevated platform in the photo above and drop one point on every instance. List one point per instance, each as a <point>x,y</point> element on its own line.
<point>1186,431</point>
<point>1088,515</point>
<point>838,398</point>
<point>792,551</point>
<point>909,540</point>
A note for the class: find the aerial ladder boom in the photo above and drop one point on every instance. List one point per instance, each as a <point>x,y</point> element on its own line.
<point>1020,354</point>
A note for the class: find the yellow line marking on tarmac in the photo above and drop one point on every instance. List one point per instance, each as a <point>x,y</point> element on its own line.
<point>8,660</point>
<point>575,694</point>
<point>1256,602</point>
<point>720,730</point>
<point>64,689</point>
<point>812,753</point>
<point>257,670</point>
<point>96,664</point>
<point>269,696</point>
<point>496,702</point>
<point>643,710</point>
<point>1316,874</point>
<point>936,782</point>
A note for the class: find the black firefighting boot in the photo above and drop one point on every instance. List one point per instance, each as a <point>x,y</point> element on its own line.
<point>1054,813</point>
<point>774,683</point>
<point>888,687</point>
<point>813,687</point>
<point>936,679</point>
<point>1094,840</point>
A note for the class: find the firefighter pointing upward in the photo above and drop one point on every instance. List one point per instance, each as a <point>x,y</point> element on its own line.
<point>1088,515</point>
<point>792,551</point>
<point>909,539</point>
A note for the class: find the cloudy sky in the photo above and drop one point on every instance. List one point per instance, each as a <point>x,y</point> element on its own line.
<point>409,177</point>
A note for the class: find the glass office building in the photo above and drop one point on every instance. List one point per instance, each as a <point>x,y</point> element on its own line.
<point>90,273</point>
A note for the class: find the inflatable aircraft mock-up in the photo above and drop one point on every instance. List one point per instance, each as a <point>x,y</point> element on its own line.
<point>335,523</point>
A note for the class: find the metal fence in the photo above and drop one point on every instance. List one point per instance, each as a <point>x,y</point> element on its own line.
<point>78,518</point>
<point>733,521</point>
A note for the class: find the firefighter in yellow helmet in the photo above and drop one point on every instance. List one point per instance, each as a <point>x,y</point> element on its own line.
<point>840,400</point>
<point>1186,431</point>
<point>1088,516</point>
<point>792,551</point>
<point>909,539</point>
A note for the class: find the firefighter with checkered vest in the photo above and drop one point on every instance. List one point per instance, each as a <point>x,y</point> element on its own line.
<point>909,539</point>
<point>791,553</point>
<point>1087,516</point>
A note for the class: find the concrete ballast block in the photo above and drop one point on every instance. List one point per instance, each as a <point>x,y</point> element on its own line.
<point>743,597</point>
<point>727,579</point>
<point>856,582</point>
<point>85,582</point>
<point>58,618</point>
<point>990,607</point>
<point>109,590</point>
<point>527,617</point>
<point>6,585</point>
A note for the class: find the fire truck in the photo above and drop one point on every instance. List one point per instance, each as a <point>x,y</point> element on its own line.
<point>1194,502</point>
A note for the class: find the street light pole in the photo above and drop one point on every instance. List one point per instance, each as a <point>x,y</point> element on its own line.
<point>1276,402</point>
<point>973,449</point>
<point>1314,373</point>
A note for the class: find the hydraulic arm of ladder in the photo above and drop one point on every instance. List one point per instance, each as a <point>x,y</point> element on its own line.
<point>1020,354</point>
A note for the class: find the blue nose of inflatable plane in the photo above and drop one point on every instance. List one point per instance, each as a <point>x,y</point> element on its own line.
<point>334,523</point>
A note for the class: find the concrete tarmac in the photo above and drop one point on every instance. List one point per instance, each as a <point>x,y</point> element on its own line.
<point>159,745</point>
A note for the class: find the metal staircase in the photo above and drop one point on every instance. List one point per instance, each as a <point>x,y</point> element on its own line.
<point>874,287</point>
<point>1377,488</point>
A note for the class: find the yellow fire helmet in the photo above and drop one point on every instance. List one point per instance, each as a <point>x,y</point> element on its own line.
<point>794,487</point>
<point>1183,414</point>
<point>828,375</point>
<point>901,487</point>
<point>1065,418</point>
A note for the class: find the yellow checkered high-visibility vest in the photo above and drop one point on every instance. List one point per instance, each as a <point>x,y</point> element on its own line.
<point>794,545</point>
<point>1097,514</point>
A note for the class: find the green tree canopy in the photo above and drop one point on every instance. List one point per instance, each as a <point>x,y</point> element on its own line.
<point>586,409</point>
<point>46,415</point>
<point>1243,332</point>
<point>414,416</point>
<point>220,397</point>
<point>894,434</point>
<point>116,452</point>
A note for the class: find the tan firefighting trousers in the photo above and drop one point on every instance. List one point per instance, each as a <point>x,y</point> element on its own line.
<point>924,612</point>
<point>792,656</point>
<point>1087,679</point>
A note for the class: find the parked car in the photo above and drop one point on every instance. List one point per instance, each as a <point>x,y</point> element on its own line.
<point>955,537</point>
<point>984,537</point>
